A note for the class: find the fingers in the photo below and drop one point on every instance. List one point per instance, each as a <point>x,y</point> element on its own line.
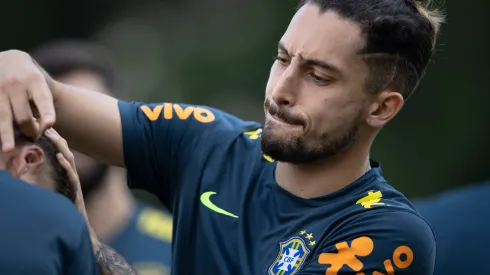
<point>70,172</point>
<point>23,116</point>
<point>6,124</point>
<point>74,181</point>
<point>21,81</point>
<point>65,158</point>
<point>43,100</point>
<point>61,145</point>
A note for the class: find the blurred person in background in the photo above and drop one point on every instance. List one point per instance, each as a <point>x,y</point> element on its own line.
<point>459,218</point>
<point>140,233</point>
<point>42,233</point>
<point>296,195</point>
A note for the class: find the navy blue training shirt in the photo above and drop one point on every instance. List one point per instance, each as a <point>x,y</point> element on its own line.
<point>459,218</point>
<point>41,232</point>
<point>145,241</point>
<point>231,217</point>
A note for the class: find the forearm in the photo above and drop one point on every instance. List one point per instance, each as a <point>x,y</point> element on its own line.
<point>111,263</point>
<point>90,122</point>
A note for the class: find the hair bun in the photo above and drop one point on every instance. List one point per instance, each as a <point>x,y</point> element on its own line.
<point>433,14</point>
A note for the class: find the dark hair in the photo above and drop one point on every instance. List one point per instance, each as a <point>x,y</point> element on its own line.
<point>59,58</point>
<point>400,38</point>
<point>59,175</point>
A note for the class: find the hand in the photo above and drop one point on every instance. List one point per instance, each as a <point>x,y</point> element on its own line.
<point>110,263</point>
<point>23,83</point>
<point>67,161</point>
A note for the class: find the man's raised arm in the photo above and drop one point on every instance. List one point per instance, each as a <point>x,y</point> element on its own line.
<point>90,121</point>
<point>155,142</point>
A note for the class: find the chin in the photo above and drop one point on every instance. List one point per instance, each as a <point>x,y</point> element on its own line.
<point>280,144</point>
<point>291,146</point>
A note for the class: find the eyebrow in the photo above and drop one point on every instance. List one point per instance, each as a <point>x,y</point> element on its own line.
<point>313,62</point>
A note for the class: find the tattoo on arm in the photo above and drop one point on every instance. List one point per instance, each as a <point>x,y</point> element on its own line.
<point>111,263</point>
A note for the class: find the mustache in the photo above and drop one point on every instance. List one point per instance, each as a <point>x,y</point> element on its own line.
<point>284,114</point>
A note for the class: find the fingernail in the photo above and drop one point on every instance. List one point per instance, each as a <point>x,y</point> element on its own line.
<point>49,118</point>
<point>60,158</point>
<point>7,147</point>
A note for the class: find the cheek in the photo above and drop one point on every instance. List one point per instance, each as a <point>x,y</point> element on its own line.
<point>274,77</point>
<point>335,114</point>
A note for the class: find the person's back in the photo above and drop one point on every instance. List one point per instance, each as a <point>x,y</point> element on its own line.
<point>42,232</point>
<point>459,219</point>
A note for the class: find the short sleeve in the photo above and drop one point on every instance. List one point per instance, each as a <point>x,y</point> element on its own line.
<point>381,243</point>
<point>159,139</point>
<point>83,260</point>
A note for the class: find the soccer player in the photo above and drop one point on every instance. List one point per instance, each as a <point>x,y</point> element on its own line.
<point>459,218</point>
<point>43,233</point>
<point>140,233</point>
<point>110,263</point>
<point>298,195</point>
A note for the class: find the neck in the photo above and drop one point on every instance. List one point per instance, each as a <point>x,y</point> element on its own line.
<point>110,207</point>
<point>326,176</point>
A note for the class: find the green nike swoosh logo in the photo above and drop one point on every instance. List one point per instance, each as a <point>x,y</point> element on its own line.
<point>205,200</point>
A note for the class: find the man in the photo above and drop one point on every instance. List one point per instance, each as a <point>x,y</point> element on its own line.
<point>298,196</point>
<point>110,263</point>
<point>460,220</point>
<point>43,232</point>
<point>140,233</point>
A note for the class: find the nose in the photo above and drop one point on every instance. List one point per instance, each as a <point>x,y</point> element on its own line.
<point>286,90</point>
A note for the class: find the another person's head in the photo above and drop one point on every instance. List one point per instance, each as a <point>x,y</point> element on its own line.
<point>343,71</point>
<point>87,65</point>
<point>35,162</point>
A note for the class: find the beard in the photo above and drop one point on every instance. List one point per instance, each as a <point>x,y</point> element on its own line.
<point>93,180</point>
<point>297,150</point>
<point>300,149</point>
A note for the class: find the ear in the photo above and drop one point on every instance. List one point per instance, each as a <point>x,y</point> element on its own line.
<point>384,108</point>
<point>26,161</point>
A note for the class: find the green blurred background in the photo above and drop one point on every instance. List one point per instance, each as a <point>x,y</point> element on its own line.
<point>219,53</point>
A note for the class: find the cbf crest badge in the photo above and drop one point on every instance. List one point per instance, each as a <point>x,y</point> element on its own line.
<point>291,255</point>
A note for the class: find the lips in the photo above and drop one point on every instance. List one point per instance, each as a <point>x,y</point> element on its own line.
<point>286,119</point>
<point>283,115</point>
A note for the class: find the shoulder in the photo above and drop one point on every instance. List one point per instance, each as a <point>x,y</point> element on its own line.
<point>372,194</point>
<point>386,212</point>
<point>53,205</point>
<point>384,240</point>
<point>59,213</point>
<point>34,198</point>
<point>384,228</point>
<point>394,224</point>
<point>49,211</point>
